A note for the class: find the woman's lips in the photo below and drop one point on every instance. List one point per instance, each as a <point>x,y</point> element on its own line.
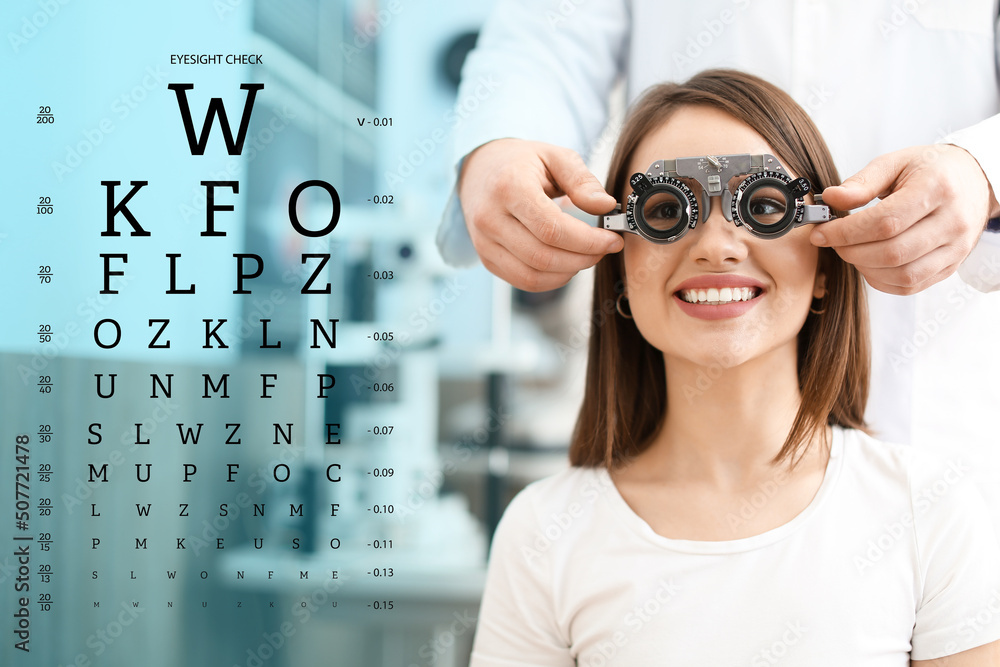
<point>716,297</point>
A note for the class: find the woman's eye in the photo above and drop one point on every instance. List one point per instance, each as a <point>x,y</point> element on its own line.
<point>765,206</point>
<point>666,211</point>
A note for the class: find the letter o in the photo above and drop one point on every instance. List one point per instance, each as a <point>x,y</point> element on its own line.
<point>293,216</point>
<point>97,336</point>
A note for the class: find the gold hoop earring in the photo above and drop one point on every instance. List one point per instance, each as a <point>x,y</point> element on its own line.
<point>618,307</point>
<point>814,311</point>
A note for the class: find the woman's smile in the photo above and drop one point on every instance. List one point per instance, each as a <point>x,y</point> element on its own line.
<point>719,296</point>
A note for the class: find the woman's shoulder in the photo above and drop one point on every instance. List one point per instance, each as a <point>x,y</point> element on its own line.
<point>884,464</point>
<point>572,491</point>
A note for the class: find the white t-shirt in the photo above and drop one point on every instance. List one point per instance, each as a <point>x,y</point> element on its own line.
<point>895,557</point>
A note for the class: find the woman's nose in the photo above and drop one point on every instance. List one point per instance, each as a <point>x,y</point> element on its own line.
<point>717,242</point>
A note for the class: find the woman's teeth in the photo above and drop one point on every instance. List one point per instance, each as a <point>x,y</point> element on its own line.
<point>718,296</point>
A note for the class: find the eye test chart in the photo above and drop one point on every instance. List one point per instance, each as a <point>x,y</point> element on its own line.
<point>226,330</point>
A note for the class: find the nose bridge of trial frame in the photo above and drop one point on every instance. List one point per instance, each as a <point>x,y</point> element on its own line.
<point>714,173</point>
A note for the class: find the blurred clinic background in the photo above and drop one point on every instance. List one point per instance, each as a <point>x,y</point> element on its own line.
<point>485,381</point>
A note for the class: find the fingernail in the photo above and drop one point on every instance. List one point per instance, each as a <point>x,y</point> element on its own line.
<point>818,238</point>
<point>599,193</point>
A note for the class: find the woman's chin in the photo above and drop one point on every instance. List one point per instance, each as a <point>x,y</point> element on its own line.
<point>713,359</point>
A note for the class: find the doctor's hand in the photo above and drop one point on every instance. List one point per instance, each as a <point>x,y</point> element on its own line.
<point>506,189</point>
<point>935,203</point>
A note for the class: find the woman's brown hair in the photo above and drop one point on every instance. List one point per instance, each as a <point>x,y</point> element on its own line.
<point>625,398</point>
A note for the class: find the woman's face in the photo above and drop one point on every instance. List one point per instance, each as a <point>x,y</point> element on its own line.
<point>663,282</point>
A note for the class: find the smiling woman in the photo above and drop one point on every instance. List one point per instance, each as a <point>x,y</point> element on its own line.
<point>725,505</point>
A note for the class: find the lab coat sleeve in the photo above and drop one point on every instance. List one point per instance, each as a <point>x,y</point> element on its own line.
<point>542,71</point>
<point>981,269</point>
<point>517,624</point>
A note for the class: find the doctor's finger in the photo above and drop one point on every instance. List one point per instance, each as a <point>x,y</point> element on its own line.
<point>550,225</point>
<point>526,247</point>
<point>501,262</point>
<point>885,220</point>
<point>915,276</point>
<point>904,248</point>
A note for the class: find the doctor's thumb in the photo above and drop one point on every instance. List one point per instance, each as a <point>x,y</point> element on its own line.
<point>875,180</point>
<point>572,177</point>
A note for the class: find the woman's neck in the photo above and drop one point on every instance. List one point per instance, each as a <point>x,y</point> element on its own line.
<point>724,426</point>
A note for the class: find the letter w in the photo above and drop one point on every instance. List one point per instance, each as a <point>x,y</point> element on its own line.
<point>189,434</point>
<point>215,107</point>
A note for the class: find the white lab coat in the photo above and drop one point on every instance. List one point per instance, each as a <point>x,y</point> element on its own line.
<point>875,75</point>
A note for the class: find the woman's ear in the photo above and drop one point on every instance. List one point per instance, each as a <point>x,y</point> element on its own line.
<point>819,287</point>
